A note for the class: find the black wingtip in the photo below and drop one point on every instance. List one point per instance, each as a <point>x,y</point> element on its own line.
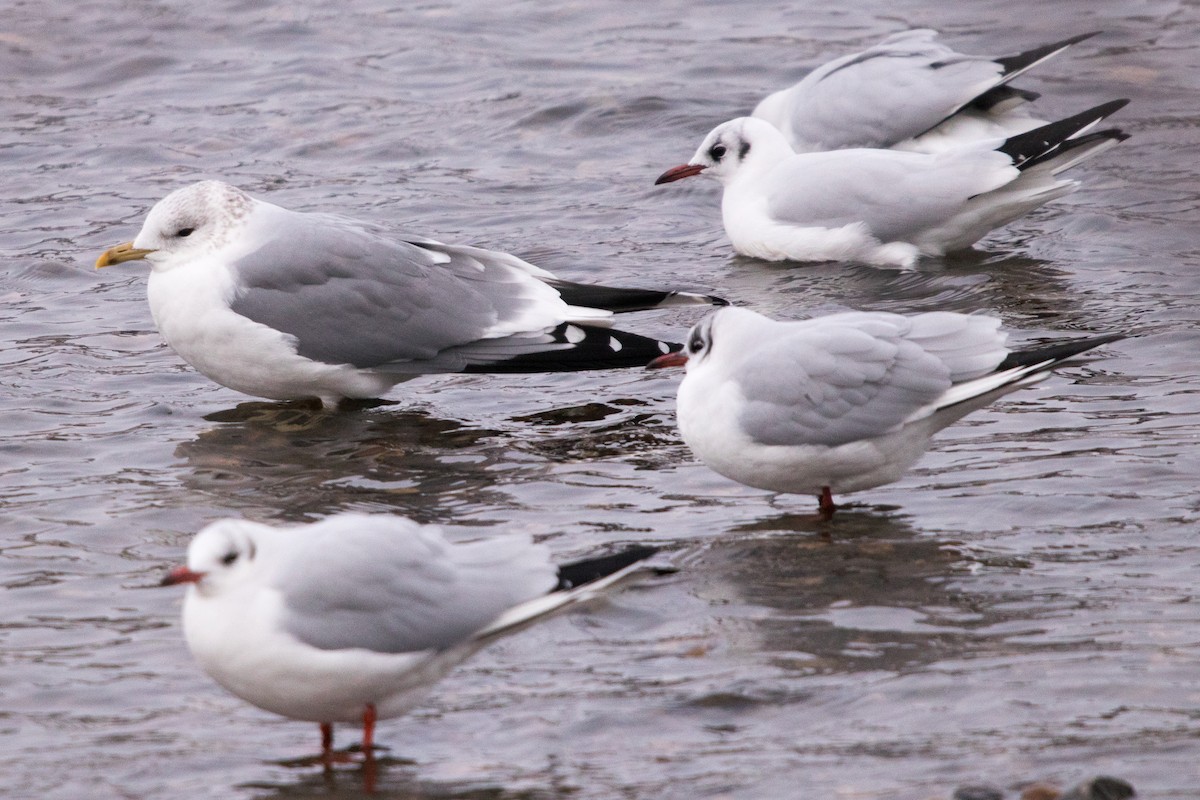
<point>1003,94</point>
<point>575,347</point>
<point>1017,63</point>
<point>1057,352</point>
<point>621,300</point>
<point>579,573</point>
<point>1035,146</point>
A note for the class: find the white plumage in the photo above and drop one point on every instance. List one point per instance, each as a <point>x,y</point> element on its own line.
<point>909,92</point>
<point>883,207</point>
<point>354,618</point>
<point>284,304</point>
<point>844,402</point>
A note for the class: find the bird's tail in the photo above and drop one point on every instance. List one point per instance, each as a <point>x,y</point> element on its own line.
<point>1022,368</point>
<point>579,582</point>
<point>1051,142</point>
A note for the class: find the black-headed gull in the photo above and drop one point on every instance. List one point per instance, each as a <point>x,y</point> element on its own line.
<point>284,305</point>
<point>884,207</point>
<point>909,92</point>
<point>354,618</point>
<point>844,402</point>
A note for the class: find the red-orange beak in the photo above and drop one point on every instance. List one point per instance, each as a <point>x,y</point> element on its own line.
<point>680,172</point>
<point>676,359</point>
<point>181,575</point>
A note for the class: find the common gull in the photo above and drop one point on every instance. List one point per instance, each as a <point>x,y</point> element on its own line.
<point>284,304</point>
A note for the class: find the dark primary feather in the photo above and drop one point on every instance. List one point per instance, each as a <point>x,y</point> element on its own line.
<point>578,573</point>
<point>1055,353</point>
<point>600,348</point>
<point>1019,62</point>
<point>1002,94</point>
<point>620,300</point>
<point>1048,141</point>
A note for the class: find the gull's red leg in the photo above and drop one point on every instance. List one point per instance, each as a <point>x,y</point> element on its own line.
<point>368,741</point>
<point>368,746</point>
<point>825,504</point>
<point>326,739</point>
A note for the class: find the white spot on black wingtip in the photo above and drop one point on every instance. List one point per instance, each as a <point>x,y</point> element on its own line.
<point>574,335</point>
<point>664,348</point>
<point>614,344</point>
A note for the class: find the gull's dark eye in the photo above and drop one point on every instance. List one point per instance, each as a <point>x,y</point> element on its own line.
<point>185,231</point>
<point>717,152</point>
<point>696,343</point>
<point>229,557</point>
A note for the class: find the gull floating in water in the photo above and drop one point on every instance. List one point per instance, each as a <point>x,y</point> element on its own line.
<point>285,305</point>
<point>884,207</point>
<point>353,619</point>
<point>909,92</point>
<point>844,402</point>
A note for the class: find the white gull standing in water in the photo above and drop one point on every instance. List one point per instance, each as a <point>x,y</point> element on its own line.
<point>844,402</point>
<point>354,618</point>
<point>285,305</point>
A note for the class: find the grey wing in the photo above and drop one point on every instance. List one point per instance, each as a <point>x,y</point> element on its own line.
<point>886,94</point>
<point>392,586</point>
<point>897,194</point>
<point>350,296</point>
<point>839,379</point>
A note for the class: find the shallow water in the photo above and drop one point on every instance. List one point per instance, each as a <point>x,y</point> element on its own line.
<point>1019,607</point>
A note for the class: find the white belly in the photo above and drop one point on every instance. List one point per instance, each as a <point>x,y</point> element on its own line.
<point>240,648</point>
<point>708,424</point>
<point>192,313</point>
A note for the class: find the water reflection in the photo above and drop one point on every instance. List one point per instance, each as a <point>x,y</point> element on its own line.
<point>873,594</point>
<point>633,430</point>
<point>393,779</point>
<point>1014,285</point>
<point>308,463</point>
<point>297,462</point>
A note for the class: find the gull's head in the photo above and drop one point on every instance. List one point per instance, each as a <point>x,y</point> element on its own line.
<point>220,556</point>
<point>695,352</point>
<point>187,224</point>
<point>731,326</point>
<point>729,147</point>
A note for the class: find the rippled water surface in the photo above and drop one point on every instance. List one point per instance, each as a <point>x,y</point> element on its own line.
<point>1020,607</point>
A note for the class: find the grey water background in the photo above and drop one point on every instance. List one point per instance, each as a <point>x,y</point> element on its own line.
<point>1020,607</point>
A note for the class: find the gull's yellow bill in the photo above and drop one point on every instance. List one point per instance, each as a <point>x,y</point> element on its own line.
<point>119,254</point>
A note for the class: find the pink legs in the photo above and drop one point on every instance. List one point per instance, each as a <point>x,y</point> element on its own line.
<point>329,757</point>
<point>825,504</point>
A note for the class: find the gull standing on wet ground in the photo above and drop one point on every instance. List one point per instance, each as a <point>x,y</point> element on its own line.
<point>844,402</point>
<point>909,92</point>
<point>884,207</point>
<point>353,619</point>
<point>286,305</point>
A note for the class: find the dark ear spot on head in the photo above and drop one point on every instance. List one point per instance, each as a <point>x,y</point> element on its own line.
<point>743,148</point>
